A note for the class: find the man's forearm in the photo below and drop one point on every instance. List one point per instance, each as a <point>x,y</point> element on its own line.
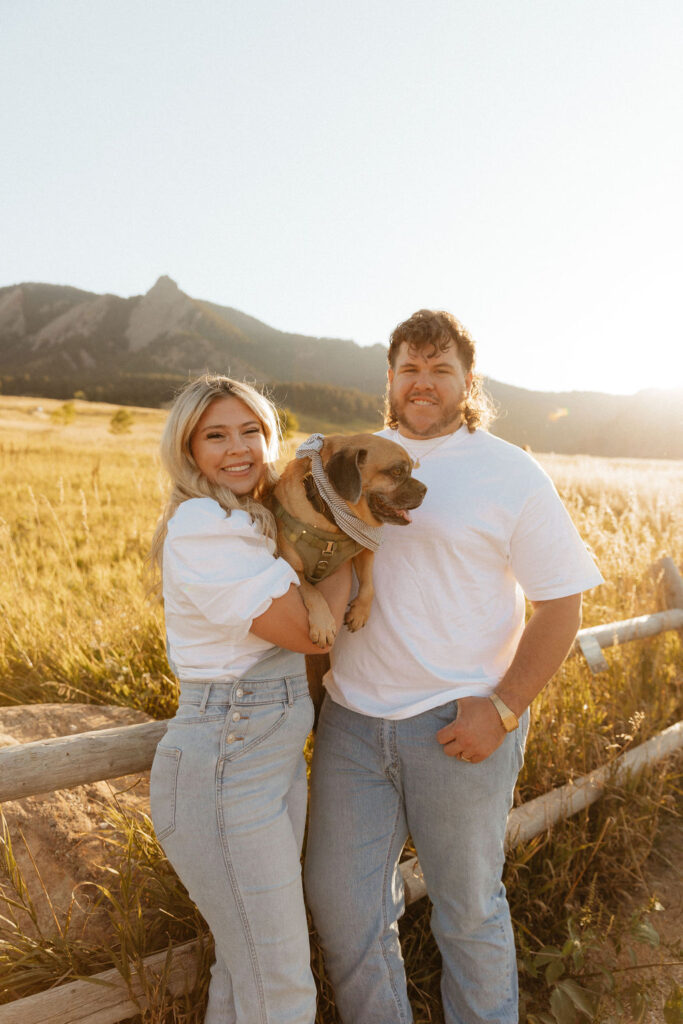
<point>545,643</point>
<point>478,729</point>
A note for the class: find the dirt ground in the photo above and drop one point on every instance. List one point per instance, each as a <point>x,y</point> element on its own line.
<point>58,832</point>
<point>663,883</point>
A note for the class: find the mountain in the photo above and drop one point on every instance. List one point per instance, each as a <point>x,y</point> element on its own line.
<point>648,424</point>
<point>55,340</point>
<point>55,330</point>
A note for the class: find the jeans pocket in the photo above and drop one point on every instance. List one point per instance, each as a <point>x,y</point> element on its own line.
<point>162,790</point>
<point>252,726</point>
<point>444,714</point>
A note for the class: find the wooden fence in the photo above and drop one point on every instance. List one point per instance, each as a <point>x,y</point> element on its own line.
<point>46,765</point>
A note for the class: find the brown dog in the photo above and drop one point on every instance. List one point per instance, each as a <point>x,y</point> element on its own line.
<point>372,475</point>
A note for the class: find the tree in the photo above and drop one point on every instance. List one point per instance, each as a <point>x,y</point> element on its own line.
<point>121,422</point>
<point>64,415</point>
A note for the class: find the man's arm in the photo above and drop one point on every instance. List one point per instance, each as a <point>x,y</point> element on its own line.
<point>478,730</point>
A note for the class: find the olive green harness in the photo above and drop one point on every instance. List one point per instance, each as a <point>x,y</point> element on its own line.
<point>321,551</point>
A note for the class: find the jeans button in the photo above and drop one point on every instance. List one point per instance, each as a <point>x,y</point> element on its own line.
<point>231,737</point>
<point>236,716</point>
<point>239,692</point>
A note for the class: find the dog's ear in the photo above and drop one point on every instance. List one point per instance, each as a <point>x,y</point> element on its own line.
<point>344,474</point>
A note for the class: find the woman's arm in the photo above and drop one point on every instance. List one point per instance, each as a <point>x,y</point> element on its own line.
<point>285,622</point>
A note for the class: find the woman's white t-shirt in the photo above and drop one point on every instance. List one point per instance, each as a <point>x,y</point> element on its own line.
<point>219,574</point>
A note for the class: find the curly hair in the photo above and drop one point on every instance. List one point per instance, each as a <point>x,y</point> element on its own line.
<point>438,330</point>
<point>187,480</point>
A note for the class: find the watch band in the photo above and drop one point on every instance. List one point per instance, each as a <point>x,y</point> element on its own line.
<point>507,716</point>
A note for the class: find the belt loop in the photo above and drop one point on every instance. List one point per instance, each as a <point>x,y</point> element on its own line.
<point>205,698</point>
<point>290,695</point>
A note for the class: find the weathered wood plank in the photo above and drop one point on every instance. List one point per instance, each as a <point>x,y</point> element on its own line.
<point>592,652</point>
<point>635,629</point>
<point>591,640</point>
<point>66,761</point>
<point>105,998</point>
<point>540,814</point>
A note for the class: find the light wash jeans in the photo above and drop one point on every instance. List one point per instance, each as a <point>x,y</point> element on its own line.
<point>374,781</point>
<point>228,797</point>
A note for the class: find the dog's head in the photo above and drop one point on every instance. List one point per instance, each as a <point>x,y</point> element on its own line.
<point>372,474</point>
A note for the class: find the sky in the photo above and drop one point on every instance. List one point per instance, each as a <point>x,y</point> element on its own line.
<point>330,166</point>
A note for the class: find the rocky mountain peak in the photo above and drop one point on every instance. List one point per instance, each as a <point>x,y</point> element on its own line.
<point>165,285</point>
<point>162,310</point>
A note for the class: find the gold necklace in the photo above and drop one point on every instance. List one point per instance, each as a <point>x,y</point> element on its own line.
<point>421,455</point>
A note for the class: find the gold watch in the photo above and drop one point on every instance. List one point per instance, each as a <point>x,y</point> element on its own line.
<point>507,716</point>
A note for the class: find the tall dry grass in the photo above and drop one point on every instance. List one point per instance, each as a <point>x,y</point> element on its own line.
<point>77,507</point>
<point>77,510</point>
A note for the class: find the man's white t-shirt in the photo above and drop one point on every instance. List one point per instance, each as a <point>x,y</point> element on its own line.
<point>449,602</point>
<point>219,574</point>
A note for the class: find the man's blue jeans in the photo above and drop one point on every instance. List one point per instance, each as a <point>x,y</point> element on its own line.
<point>374,781</point>
<point>228,796</point>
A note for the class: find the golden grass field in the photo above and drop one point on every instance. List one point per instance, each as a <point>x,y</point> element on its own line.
<point>78,506</point>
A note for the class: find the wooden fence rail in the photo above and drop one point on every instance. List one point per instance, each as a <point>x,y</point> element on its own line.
<point>46,765</point>
<point>590,641</point>
<point>30,769</point>
<point>106,998</point>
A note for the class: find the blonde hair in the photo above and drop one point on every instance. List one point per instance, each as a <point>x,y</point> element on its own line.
<point>188,481</point>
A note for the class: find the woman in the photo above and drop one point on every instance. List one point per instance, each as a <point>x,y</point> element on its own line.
<point>228,786</point>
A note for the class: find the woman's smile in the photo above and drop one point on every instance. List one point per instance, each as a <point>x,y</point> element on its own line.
<point>229,446</point>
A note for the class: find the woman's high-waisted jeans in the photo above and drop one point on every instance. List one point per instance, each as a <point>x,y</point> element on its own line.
<point>228,796</point>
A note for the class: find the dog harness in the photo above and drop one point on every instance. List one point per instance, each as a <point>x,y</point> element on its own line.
<point>321,552</point>
<point>367,535</point>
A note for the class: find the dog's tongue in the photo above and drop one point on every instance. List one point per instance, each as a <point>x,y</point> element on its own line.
<point>404,514</point>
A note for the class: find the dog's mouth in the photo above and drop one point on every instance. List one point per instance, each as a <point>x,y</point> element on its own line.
<point>387,513</point>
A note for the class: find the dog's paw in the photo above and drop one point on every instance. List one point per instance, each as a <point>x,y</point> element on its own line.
<point>323,633</point>
<point>356,616</point>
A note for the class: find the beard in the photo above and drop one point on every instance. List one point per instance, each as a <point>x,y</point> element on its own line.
<point>444,419</point>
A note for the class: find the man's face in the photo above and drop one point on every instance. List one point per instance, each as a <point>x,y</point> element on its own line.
<point>427,390</point>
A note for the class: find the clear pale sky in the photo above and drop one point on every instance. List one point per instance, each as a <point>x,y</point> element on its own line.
<point>329,167</point>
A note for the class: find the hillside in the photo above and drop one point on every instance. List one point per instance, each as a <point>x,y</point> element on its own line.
<point>64,333</point>
<point>57,340</point>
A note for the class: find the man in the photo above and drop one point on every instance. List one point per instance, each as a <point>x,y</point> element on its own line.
<point>424,724</point>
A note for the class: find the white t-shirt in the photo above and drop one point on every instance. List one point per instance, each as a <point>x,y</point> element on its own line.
<point>449,604</point>
<point>220,572</point>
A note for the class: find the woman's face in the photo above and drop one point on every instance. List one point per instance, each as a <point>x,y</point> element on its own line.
<point>229,446</point>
